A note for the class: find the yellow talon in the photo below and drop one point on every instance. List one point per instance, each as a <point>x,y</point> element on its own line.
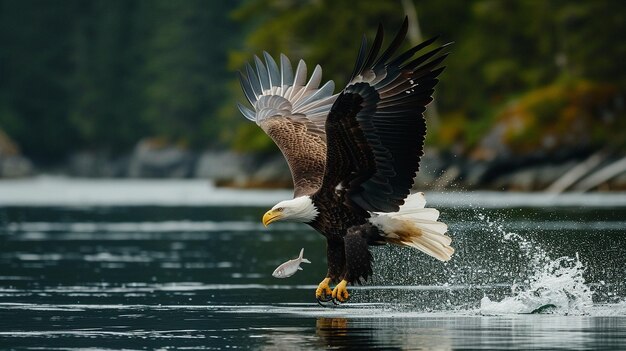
<point>341,293</point>
<point>323,291</point>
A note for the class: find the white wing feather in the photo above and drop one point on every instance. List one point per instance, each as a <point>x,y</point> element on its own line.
<point>274,91</point>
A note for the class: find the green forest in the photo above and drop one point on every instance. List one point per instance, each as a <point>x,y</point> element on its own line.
<point>538,76</point>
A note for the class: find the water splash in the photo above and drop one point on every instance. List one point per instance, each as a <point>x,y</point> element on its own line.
<point>559,288</point>
<point>553,286</point>
<point>495,271</point>
<point>535,253</point>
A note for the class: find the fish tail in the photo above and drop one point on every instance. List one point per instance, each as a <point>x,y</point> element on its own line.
<point>301,257</point>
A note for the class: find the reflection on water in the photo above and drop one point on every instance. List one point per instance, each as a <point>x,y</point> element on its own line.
<point>264,327</point>
<point>345,333</point>
<point>200,277</point>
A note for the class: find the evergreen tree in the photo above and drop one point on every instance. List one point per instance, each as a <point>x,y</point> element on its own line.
<point>35,67</point>
<point>106,89</point>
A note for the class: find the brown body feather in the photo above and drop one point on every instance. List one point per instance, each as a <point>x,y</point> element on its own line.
<point>305,153</point>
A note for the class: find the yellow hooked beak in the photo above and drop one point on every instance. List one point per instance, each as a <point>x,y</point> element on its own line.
<point>271,216</point>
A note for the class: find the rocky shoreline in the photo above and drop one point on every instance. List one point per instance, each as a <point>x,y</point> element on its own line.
<point>576,171</point>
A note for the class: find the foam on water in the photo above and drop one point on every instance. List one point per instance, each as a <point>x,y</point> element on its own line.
<point>556,286</point>
<point>558,289</point>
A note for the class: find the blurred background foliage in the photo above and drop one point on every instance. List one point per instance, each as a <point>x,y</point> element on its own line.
<point>536,76</point>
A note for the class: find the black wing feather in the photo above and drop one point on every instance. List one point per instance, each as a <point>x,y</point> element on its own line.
<point>378,42</point>
<point>395,44</point>
<point>376,128</point>
<point>360,59</point>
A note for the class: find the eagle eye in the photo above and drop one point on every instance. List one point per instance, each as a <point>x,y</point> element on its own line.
<point>280,209</point>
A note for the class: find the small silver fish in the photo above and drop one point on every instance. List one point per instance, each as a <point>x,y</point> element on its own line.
<point>290,267</point>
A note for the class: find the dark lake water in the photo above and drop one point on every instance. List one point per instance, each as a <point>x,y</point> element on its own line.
<point>176,275</point>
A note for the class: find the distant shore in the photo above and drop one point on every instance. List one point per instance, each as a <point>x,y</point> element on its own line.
<point>51,191</point>
<point>587,171</point>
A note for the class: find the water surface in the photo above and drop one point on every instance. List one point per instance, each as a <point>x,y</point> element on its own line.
<point>182,271</point>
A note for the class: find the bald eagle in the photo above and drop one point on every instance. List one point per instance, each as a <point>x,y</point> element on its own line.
<point>353,155</point>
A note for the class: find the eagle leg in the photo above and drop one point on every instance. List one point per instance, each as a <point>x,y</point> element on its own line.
<point>358,257</point>
<point>336,255</point>
<point>358,260</point>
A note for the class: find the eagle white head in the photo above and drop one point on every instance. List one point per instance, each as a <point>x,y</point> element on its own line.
<point>301,209</point>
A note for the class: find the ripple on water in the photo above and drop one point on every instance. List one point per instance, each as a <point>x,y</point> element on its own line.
<point>206,282</point>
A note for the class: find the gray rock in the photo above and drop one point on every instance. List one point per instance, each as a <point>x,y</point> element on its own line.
<point>12,163</point>
<point>532,177</point>
<point>274,169</point>
<point>96,164</point>
<point>151,159</point>
<point>474,173</point>
<point>15,167</point>
<point>523,179</point>
<point>550,173</point>
<point>619,182</point>
<point>84,164</point>
<point>229,168</point>
<point>222,165</point>
<point>448,177</point>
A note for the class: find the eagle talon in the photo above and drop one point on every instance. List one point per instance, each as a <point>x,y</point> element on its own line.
<point>338,302</point>
<point>341,301</point>
<point>340,293</point>
<point>325,298</point>
<point>323,302</point>
<point>323,292</point>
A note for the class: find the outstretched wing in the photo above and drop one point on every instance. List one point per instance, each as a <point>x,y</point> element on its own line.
<point>292,112</point>
<point>375,130</point>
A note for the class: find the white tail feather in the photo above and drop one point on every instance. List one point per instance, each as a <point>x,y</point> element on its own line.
<point>416,226</point>
<point>433,246</point>
<point>420,213</point>
<point>413,201</point>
